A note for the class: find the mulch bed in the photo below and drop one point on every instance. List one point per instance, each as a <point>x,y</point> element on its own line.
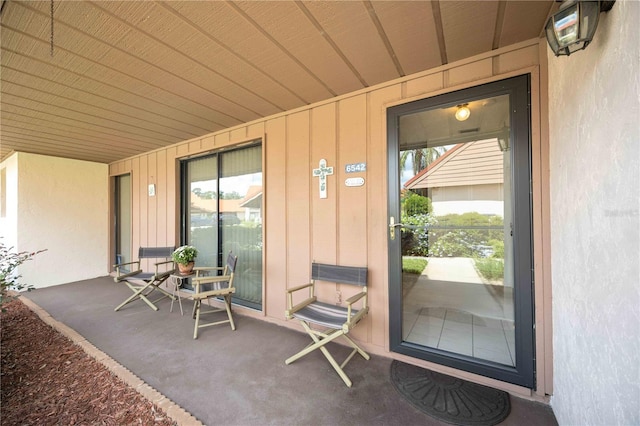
<point>45,379</point>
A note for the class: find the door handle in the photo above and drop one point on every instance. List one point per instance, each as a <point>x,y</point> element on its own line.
<point>392,227</point>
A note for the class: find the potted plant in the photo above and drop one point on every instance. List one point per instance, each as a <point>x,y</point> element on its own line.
<point>185,257</point>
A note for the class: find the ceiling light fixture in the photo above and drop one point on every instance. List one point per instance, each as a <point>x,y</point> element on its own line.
<point>463,112</point>
<point>573,26</point>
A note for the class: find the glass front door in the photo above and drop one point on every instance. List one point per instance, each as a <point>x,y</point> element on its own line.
<point>222,212</point>
<point>459,230</point>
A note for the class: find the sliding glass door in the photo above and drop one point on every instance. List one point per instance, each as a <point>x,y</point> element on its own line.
<point>122,219</point>
<point>221,211</point>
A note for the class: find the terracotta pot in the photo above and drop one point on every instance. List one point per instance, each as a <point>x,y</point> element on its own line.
<point>185,269</point>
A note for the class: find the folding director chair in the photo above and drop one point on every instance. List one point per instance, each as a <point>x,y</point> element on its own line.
<point>337,321</point>
<point>221,286</point>
<point>144,283</point>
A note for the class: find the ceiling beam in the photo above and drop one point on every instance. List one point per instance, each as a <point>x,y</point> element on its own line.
<point>383,36</point>
<point>497,33</point>
<point>332,43</point>
<point>275,42</point>
<point>437,19</point>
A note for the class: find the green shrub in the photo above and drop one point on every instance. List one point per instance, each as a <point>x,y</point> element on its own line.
<point>415,236</point>
<point>453,244</point>
<point>9,261</point>
<point>491,269</point>
<point>416,212</point>
<point>498,248</point>
<point>466,241</point>
<point>414,204</point>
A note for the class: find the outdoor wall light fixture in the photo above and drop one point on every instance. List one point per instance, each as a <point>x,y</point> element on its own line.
<point>573,26</point>
<point>463,112</point>
<point>503,139</point>
<point>503,143</point>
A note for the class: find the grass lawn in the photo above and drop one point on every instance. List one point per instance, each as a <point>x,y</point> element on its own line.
<point>413,265</point>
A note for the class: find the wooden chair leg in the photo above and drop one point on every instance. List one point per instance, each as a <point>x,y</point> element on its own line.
<point>312,347</point>
<point>356,349</point>
<point>196,308</point>
<point>137,294</point>
<point>335,366</point>
<point>319,342</point>
<point>143,291</point>
<point>227,304</point>
<point>199,310</point>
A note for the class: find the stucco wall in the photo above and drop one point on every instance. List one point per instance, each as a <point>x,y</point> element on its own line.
<point>9,221</point>
<point>595,224</point>
<point>62,206</point>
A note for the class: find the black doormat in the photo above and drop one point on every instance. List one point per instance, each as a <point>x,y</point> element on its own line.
<point>449,399</point>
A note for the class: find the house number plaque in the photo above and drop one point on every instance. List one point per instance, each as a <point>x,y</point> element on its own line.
<point>355,167</point>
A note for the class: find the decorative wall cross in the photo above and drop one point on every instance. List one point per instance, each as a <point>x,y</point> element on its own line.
<point>322,172</point>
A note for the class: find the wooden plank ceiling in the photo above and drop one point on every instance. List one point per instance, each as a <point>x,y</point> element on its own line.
<point>124,78</point>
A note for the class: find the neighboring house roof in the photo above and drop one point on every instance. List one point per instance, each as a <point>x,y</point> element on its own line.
<point>472,163</point>
<point>210,205</point>
<point>253,199</point>
<point>230,206</point>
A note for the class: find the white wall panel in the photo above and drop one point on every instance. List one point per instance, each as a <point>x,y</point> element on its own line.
<point>62,207</point>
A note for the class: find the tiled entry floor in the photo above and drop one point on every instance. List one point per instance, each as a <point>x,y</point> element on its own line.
<point>463,333</point>
<point>449,307</point>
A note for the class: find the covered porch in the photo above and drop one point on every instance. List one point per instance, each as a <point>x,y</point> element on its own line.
<point>237,377</point>
<point>106,107</point>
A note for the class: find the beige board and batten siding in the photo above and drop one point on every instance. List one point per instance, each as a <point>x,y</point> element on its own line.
<point>348,227</point>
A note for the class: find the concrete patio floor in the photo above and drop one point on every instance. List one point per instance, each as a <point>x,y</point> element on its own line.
<point>239,377</point>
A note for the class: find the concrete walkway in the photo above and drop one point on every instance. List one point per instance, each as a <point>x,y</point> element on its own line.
<point>452,269</point>
<point>234,377</point>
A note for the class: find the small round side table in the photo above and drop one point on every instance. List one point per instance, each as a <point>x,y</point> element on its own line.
<point>177,279</point>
